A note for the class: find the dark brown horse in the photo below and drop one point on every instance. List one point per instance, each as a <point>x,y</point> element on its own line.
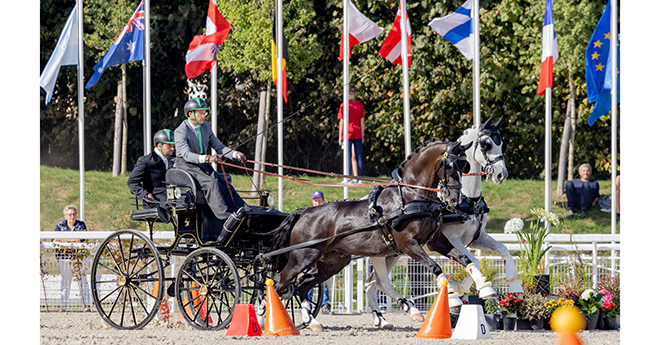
<point>436,164</point>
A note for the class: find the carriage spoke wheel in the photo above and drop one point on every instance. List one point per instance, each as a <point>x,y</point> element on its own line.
<point>127,280</point>
<point>207,289</point>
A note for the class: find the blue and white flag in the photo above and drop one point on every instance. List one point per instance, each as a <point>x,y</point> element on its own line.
<point>129,46</point>
<point>65,54</point>
<point>456,28</point>
<point>598,70</point>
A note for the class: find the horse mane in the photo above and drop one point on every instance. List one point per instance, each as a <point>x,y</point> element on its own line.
<point>421,147</point>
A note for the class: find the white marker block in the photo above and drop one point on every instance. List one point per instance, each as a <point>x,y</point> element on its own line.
<point>471,323</point>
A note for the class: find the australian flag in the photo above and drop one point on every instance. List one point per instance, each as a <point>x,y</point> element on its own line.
<point>598,69</point>
<point>129,46</point>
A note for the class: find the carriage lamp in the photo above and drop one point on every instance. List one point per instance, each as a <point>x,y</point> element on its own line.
<point>173,192</point>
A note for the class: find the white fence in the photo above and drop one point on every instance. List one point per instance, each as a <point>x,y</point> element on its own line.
<point>598,254</point>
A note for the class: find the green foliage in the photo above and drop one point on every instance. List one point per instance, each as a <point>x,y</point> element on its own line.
<point>534,307</point>
<point>440,80</point>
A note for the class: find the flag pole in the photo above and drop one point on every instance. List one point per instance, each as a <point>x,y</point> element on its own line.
<point>476,66</point>
<point>347,47</point>
<point>147,85</point>
<point>280,103</point>
<point>614,42</point>
<point>406,89</point>
<point>81,111</point>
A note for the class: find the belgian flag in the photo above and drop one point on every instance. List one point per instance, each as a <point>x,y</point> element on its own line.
<point>285,55</point>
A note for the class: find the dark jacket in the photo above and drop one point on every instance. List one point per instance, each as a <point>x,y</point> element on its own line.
<point>148,176</point>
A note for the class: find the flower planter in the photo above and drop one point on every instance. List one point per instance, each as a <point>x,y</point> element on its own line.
<point>523,325</point>
<point>509,323</point>
<point>612,323</point>
<point>493,321</point>
<point>592,321</point>
<point>453,319</point>
<point>538,324</point>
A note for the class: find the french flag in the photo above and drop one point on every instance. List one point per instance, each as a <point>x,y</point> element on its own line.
<point>203,48</point>
<point>550,51</point>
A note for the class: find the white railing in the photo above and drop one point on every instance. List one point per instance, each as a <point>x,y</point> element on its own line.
<point>408,277</point>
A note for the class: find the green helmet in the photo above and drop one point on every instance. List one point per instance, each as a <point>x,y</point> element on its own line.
<point>164,136</point>
<point>194,104</point>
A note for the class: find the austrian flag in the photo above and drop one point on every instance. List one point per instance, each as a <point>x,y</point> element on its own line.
<point>550,52</point>
<point>202,50</point>
<point>360,29</point>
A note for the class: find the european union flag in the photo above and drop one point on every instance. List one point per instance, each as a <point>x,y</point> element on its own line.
<point>129,46</point>
<point>598,69</point>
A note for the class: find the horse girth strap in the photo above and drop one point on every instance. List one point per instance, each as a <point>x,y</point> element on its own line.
<point>413,209</point>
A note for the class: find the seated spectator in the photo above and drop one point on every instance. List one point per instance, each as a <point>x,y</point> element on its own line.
<point>582,192</point>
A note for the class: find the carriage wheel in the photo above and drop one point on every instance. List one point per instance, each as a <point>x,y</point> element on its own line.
<point>207,288</point>
<point>127,280</point>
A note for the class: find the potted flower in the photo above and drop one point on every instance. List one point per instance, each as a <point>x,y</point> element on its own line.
<point>533,249</point>
<point>610,311</point>
<point>511,307</point>
<point>534,310</point>
<point>554,304</point>
<point>590,304</point>
<point>493,314</point>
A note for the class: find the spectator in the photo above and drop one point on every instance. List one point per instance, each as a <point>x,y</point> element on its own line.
<point>71,223</point>
<point>355,129</point>
<point>582,192</point>
<point>318,200</point>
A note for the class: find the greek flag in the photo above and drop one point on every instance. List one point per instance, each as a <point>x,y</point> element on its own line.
<point>457,28</point>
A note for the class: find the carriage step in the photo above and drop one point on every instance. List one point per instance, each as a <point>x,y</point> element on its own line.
<point>145,214</point>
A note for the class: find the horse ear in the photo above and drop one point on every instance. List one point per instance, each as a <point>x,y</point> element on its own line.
<point>455,147</point>
<point>497,124</point>
<point>488,122</point>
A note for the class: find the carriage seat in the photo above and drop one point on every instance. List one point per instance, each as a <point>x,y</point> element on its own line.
<point>187,183</point>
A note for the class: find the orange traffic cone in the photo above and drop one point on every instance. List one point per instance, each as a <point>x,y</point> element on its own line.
<point>278,321</point>
<point>163,308</point>
<point>568,338</point>
<point>244,322</point>
<point>437,324</point>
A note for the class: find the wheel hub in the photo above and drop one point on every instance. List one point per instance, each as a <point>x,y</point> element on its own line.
<point>122,280</point>
<point>203,290</point>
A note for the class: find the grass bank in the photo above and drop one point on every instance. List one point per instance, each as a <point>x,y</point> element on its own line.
<point>108,200</point>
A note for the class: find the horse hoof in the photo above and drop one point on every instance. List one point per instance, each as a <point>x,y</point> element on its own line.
<point>417,317</point>
<point>455,310</point>
<point>387,327</point>
<point>316,327</point>
<point>455,302</point>
<point>487,293</point>
<point>516,288</point>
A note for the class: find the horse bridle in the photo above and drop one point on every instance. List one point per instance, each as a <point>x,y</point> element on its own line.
<point>448,169</point>
<point>485,140</point>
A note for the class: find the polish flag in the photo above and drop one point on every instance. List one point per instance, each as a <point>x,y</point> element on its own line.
<point>360,29</point>
<point>203,48</point>
<point>391,49</point>
<point>550,51</point>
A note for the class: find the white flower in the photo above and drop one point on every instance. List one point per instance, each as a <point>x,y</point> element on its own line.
<point>587,294</point>
<point>513,225</point>
<point>552,218</point>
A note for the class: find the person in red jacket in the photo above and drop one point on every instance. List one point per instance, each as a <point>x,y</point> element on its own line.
<point>355,129</point>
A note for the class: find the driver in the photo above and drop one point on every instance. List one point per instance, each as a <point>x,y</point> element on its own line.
<point>193,141</point>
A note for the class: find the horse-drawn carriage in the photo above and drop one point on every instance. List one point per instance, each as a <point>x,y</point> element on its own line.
<point>228,263</point>
<point>219,268</point>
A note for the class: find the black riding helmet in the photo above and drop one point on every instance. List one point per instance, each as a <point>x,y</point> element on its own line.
<point>194,104</point>
<point>164,136</point>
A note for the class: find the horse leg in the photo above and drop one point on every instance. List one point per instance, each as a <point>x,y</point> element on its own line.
<point>486,242</point>
<point>327,266</point>
<point>485,287</point>
<point>415,314</point>
<point>372,286</point>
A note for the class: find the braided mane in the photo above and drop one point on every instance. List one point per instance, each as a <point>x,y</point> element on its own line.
<point>425,144</point>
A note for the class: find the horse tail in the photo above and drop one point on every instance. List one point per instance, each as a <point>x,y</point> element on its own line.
<point>282,234</point>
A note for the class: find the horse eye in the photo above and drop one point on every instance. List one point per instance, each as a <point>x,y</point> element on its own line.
<point>486,143</point>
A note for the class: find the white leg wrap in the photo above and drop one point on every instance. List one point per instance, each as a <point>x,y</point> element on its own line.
<point>515,284</point>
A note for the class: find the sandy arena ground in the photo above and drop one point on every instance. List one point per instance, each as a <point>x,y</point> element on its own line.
<point>73,328</point>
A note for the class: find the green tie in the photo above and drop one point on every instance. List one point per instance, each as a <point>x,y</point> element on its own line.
<point>199,137</point>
